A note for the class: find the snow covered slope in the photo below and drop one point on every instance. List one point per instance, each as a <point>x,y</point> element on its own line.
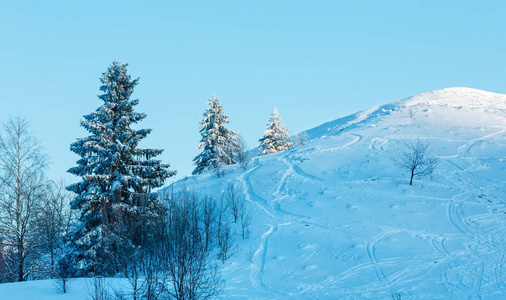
<point>336,217</point>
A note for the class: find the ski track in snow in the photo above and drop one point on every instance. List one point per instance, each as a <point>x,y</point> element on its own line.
<point>297,170</point>
<point>378,143</point>
<point>472,278</point>
<point>464,272</point>
<point>454,217</point>
<point>438,244</point>
<point>284,178</point>
<point>277,206</point>
<point>371,252</point>
<point>358,137</point>
<point>272,208</point>
<point>258,260</point>
<point>249,193</point>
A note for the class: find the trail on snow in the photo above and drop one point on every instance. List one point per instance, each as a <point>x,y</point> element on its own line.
<point>297,170</point>
<point>371,252</point>
<point>273,210</point>
<point>357,138</point>
<point>258,260</point>
<point>454,216</point>
<point>251,196</point>
<point>470,276</point>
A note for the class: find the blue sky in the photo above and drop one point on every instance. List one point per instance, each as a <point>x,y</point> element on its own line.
<point>314,60</point>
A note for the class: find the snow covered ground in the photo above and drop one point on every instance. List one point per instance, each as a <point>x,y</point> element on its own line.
<point>337,219</point>
<point>80,288</point>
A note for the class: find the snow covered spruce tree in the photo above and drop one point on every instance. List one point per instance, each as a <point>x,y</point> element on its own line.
<point>219,143</point>
<point>275,137</point>
<point>115,199</point>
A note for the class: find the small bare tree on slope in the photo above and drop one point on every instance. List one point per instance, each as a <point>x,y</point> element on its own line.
<point>417,159</point>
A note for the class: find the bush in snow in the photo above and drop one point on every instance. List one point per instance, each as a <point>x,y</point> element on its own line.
<point>301,139</point>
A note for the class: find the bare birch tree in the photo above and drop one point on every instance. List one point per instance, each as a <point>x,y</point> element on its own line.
<point>22,165</point>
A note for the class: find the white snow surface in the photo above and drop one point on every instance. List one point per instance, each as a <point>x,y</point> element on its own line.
<point>79,288</point>
<point>337,219</point>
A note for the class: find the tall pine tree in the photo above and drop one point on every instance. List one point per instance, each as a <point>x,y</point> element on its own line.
<point>219,143</point>
<point>275,137</point>
<point>115,199</point>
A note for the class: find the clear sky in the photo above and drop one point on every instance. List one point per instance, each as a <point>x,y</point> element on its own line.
<point>314,60</point>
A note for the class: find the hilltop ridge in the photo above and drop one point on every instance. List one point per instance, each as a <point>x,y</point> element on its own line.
<point>456,97</point>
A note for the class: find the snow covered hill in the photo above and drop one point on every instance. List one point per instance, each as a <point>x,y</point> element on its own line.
<point>336,217</point>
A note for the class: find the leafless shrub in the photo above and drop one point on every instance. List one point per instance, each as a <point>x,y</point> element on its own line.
<point>301,138</point>
<point>238,207</point>
<point>154,278</point>
<point>191,270</point>
<point>412,112</point>
<point>226,244</point>
<point>97,289</point>
<point>244,218</point>
<point>209,216</point>
<point>232,194</point>
<point>242,155</point>
<point>250,254</point>
<point>219,171</point>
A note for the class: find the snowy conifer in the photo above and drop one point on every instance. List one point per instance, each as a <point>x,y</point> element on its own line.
<point>218,142</point>
<point>115,196</point>
<point>275,137</point>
